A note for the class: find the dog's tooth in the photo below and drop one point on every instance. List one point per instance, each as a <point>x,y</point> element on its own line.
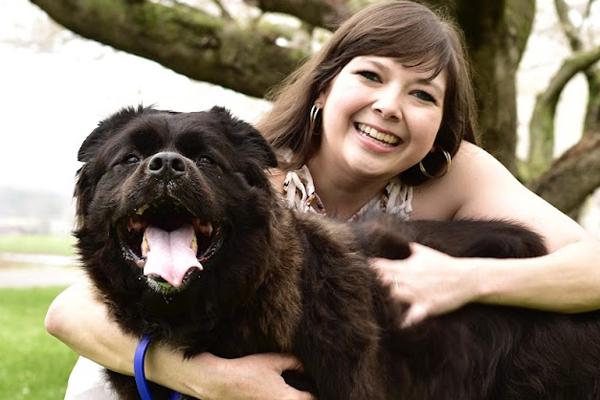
<point>145,246</point>
<point>194,244</point>
<point>135,223</point>
<point>206,229</point>
<point>142,209</point>
<point>196,224</point>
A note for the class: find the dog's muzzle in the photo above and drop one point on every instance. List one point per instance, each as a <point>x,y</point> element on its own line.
<point>168,242</point>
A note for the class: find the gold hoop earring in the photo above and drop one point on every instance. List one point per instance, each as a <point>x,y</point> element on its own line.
<point>314,114</point>
<point>448,163</point>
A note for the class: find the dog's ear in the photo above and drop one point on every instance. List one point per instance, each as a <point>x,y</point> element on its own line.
<point>105,128</point>
<point>247,138</point>
<point>86,177</point>
<point>83,193</point>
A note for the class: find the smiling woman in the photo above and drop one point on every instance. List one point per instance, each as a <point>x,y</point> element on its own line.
<point>391,62</point>
<point>399,112</point>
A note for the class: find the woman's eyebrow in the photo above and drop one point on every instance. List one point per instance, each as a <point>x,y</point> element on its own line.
<point>376,63</point>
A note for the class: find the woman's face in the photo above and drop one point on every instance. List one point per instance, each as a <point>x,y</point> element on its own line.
<point>379,118</point>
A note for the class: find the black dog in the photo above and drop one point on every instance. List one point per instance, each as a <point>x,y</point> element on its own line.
<point>186,241</point>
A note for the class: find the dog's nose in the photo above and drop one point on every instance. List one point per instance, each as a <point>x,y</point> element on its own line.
<point>166,164</point>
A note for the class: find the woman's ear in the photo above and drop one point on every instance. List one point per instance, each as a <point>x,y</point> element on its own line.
<point>321,98</point>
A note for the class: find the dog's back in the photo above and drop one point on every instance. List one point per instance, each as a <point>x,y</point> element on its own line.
<point>484,351</point>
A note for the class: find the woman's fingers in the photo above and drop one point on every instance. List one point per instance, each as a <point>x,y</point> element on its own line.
<point>284,362</point>
<point>415,314</point>
<point>430,281</point>
<point>258,376</point>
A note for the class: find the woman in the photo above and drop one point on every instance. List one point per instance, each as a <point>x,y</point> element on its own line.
<point>380,120</point>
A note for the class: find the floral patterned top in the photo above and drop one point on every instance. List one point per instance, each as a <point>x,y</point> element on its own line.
<point>299,193</point>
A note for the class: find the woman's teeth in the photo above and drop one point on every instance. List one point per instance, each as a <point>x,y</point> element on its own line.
<point>375,134</point>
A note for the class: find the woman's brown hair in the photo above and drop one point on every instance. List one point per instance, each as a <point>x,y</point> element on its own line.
<point>404,30</point>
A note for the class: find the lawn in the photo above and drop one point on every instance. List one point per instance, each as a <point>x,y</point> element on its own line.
<point>37,244</point>
<point>33,365</point>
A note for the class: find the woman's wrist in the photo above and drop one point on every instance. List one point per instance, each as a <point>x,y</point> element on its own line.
<point>169,368</point>
<point>478,272</point>
<point>475,285</point>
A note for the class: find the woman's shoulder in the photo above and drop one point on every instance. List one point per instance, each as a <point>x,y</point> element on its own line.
<point>441,198</point>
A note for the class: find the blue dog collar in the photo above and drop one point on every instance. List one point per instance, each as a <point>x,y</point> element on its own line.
<point>139,373</point>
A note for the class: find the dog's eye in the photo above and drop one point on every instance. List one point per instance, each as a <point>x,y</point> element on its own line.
<point>204,161</point>
<point>131,159</point>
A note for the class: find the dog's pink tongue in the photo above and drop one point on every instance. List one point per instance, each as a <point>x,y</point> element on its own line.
<point>170,255</point>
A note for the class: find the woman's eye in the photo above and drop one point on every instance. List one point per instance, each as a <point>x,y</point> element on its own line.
<point>422,95</point>
<point>131,159</point>
<point>370,75</point>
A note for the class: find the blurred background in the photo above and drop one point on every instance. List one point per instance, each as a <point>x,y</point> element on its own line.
<point>535,70</point>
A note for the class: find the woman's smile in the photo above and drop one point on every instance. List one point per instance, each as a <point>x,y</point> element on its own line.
<point>377,139</point>
<point>379,117</point>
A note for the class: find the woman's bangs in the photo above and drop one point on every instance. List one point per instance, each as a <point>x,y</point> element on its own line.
<point>432,60</point>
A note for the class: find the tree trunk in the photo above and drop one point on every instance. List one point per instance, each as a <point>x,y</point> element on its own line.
<point>541,126</point>
<point>496,34</point>
<point>183,39</point>
<point>573,177</point>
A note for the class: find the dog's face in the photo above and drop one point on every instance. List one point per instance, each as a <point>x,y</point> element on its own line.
<point>162,197</point>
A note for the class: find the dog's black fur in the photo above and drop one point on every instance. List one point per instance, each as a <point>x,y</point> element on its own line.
<point>278,281</point>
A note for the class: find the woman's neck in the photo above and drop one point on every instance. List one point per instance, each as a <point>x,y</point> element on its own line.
<point>342,194</point>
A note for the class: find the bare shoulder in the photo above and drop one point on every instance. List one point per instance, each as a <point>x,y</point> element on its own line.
<point>489,190</point>
<point>473,166</point>
<point>443,197</point>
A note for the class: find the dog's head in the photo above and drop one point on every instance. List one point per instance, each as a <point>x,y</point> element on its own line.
<point>162,196</point>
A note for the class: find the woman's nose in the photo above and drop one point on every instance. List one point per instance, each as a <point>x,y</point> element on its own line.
<point>388,106</point>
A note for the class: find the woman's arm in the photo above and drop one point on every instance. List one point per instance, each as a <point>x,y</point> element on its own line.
<point>80,321</point>
<point>566,280</point>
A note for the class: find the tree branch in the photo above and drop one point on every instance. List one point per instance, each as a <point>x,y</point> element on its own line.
<point>592,74</point>
<point>183,39</point>
<point>588,9</point>
<point>541,126</point>
<point>323,13</point>
<point>573,177</point>
<point>570,31</point>
<point>224,13</point>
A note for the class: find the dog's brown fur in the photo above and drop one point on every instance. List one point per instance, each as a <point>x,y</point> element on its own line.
<point>286,282</point>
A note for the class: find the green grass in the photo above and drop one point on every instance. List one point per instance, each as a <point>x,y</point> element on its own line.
<point>38,244</point>
<point>33,364</point>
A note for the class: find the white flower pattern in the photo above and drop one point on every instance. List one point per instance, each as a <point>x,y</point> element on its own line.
<point>299,192</point>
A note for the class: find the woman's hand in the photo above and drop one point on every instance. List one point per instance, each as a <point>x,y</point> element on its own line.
<point>432,282</point>
<point>82,322</point>
<point>254,377</point>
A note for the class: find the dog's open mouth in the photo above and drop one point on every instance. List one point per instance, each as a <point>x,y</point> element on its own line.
<point>169,243</point>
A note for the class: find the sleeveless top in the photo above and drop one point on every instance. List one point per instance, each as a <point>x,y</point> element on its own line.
<point>299,193</point>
